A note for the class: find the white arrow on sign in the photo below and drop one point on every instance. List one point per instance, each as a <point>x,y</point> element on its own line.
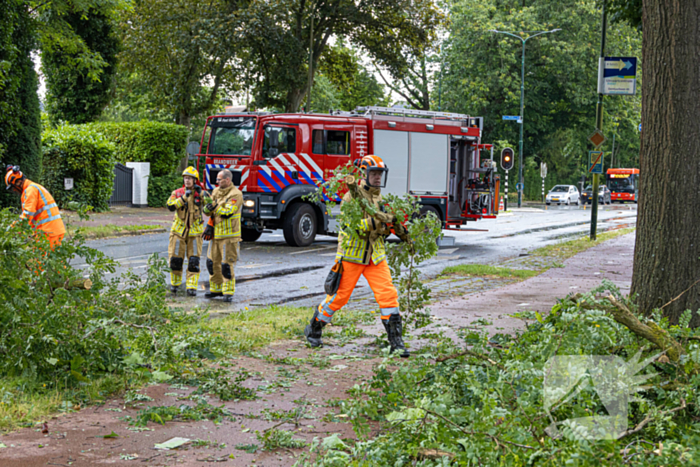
<point>617,65</point>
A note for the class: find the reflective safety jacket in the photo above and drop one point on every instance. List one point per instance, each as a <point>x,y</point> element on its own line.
<point>226,215</point>
<point>39,207</point>
<point>361,249</point>
<point>188,212</point>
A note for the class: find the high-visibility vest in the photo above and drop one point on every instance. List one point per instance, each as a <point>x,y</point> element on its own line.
<point>357,249</point>
<point>39,207</point>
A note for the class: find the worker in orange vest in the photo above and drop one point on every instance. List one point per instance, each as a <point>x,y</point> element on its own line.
<point>38,206</point>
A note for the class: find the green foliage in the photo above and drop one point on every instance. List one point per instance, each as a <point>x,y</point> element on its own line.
<point>202,411</point>
<point>73,96</point>
<point>84,155</point>
<point>20,124</point>
<point>52,331</point>
<point>274,439</point>
<point>486,405</point>
<point>160,188</point>
<point>160,144</point>
<point>222,383</point>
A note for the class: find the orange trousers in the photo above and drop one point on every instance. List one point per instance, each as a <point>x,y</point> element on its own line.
<point>55,241</point>
<point>379,278</point>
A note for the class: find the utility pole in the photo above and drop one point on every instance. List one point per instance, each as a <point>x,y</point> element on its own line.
<point>598,124</point>
<point>311,64</point>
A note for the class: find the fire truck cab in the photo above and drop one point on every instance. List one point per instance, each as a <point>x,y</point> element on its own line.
<point>278,159</point>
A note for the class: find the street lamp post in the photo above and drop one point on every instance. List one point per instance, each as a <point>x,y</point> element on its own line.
<point>521,184</point>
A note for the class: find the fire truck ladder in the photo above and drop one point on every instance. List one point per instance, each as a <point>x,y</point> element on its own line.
<point>399,112</point>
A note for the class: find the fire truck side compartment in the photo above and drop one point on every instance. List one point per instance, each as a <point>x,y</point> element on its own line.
<point>428,164</point>
<point>392,147</point>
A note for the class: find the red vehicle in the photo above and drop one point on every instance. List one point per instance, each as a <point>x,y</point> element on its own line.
<point>277,159</point>
<point>623,185</point>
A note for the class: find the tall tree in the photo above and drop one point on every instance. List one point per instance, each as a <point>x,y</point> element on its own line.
<point>279,33</point>
<point>178,47</point>
<point>20,123</point>
<point>667,251</point>
<point>72,95</point>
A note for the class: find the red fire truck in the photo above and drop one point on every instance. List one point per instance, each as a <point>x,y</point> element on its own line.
<point>277,159</point>
<point>623,185</point>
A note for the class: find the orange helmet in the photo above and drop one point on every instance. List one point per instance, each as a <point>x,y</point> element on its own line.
<point>14,178</point>
<point>373,164</point>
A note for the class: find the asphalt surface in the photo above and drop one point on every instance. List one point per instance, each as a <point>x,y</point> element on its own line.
<point>271,272</point>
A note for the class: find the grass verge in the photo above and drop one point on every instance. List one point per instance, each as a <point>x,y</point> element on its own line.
<point>486,270</point>
<point>109,230</point>
<point>566,250</point>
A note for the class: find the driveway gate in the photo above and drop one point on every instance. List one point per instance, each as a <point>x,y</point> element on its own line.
<point>122,191</point>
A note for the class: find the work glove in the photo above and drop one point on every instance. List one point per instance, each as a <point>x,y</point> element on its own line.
<point>208,233</point>
<point>385,217</point>
<point>210,208</point>
<point>188,192</point>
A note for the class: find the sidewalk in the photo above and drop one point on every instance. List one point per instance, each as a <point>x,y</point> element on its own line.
<point>290,376</point>
<point>122,216</point>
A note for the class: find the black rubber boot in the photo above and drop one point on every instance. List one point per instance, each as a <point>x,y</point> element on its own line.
<point>314,330</point>
<point>211,294</point>
<point>394,329</point>
<point>228,298</point>
<point>192,292</point>
<point>173,288</point>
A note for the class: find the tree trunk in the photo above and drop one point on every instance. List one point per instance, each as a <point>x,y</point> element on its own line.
<point>667,251</point>
<point>294,99</point>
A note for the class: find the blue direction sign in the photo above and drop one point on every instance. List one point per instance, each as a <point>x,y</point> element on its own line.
<point>619,76</point>
<point>640,127</point>
<point>595,162</point>
<point>512,117</point>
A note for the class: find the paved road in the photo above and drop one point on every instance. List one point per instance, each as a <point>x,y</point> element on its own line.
<point>271,272</point>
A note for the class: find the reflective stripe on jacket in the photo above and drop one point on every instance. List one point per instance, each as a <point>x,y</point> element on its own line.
<point>359,249</point>
<point>188,213</point>
<point>39,207</point>
<point>227,215</point>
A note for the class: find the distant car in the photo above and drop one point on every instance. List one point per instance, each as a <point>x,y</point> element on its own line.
<point>603,195</point>
<point>563,194</point>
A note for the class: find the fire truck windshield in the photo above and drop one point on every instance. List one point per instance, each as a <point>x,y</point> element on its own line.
<point>232,135</point>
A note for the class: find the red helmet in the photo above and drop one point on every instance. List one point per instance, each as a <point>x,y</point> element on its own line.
<point>14,178</point>
<point>373,164</point>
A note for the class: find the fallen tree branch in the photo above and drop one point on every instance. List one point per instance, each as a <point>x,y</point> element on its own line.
<point>644,422</point>
<point>681,294</point>
<point>473,354</point>
<point>650,331</point>
<point>499,442</point>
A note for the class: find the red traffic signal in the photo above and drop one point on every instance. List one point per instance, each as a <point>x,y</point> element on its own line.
<point>507,158</point>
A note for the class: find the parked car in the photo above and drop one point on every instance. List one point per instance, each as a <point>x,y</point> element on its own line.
<point>603,195</point>
<point>563,194</point>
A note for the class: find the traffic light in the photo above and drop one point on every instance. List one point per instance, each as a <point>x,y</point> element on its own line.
<point>507,159</point>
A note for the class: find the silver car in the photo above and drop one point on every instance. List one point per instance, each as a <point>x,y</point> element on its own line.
<point>563,194</point>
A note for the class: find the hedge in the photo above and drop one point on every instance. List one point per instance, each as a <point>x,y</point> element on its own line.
<point>161,144</point>
<point>86,156</point>
<point>160,188</point>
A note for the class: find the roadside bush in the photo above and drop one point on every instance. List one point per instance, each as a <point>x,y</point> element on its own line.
<point>84,155</point>
<point>160,188</point>
<point>161,144</point>
<point>55,332</point>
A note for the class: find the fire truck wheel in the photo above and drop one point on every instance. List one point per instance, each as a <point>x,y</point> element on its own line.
<point>424,210</point>
<point>300,225</point>
<point>250,235</point>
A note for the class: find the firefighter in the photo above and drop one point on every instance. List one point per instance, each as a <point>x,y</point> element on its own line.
<point>366,256</point>
<point>224,232</point>
<point>186,232</point>
<point>38,206</point>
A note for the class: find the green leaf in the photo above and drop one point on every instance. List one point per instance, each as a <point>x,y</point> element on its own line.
<point>111,435</point>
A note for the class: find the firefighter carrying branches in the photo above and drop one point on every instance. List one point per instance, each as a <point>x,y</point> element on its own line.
<point>186,232</point>
<point>366,255</point>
